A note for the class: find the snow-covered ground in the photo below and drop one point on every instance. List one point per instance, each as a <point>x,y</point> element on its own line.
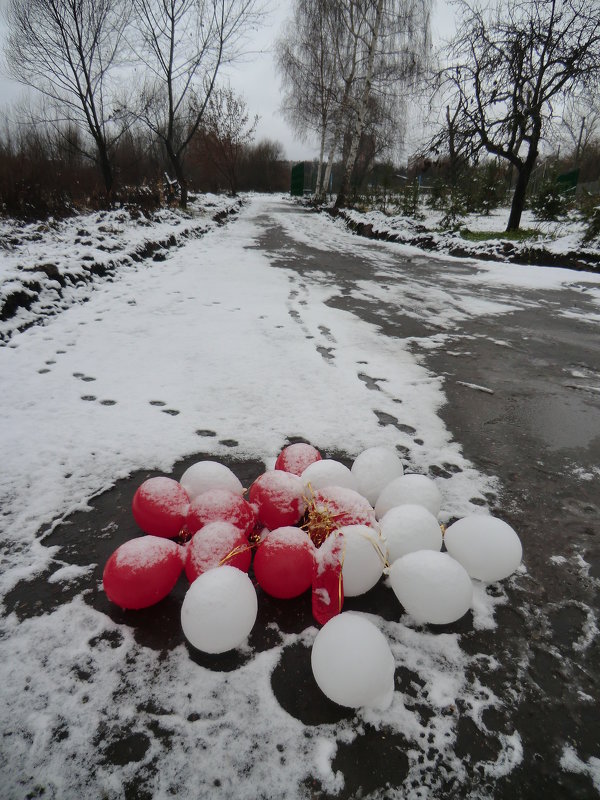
<point>161,352</point>
<point>559,243</point>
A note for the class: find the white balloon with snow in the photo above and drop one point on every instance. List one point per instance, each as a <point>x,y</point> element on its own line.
<point>219,610</point>
<point>362,564</point>
<point>328,472</point>
<point>433,587</point>
<point>487,547</point>
<point>408,528</point>
<point>414,489</point>
<point>352,663</point>
<point>205,475</point>
<point>373,469</point>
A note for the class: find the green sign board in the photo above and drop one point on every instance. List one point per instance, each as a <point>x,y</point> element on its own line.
<point>567,182</point>
<point>297,187</point>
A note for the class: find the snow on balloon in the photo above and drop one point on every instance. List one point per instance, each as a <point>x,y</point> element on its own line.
<point>160,507</point>
<point>142,571</point>
<point>310,524</point>
<point>295,458</point>
<point>217,543</point>
<point>407,528</point>
<point>205,475</point>
<point>279,498</point>
<point>373,469</point>
<point>283,563</point>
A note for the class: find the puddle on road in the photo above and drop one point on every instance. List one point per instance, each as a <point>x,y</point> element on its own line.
<point>561,421</point>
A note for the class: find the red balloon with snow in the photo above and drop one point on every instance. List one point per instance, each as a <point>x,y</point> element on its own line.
<point>142,571</point>
<point>283,564</point>
<point>327,582</point>
<point>279,499</point>
<point>160,507</point>
<point>220,504</point>
<point>331,508</point>
<point>295,458</point>
<point>215,544</point>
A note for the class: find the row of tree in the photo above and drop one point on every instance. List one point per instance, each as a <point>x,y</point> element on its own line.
<point>512,67</point>
<point>346,66</point>
<point>43,172</point>
<point>113,72</point>
<point>106,65</point>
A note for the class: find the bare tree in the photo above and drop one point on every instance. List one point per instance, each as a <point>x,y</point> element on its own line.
<point>512,64</point>
<point>306,60</point>
<point>581,123</point>
<point>342,63</point>
<point>68,51</point>
<point>183,44</point>
<point>390,44</point>
<point>227,131</point>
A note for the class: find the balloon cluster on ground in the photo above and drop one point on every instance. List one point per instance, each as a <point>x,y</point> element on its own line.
<point>310,524</point>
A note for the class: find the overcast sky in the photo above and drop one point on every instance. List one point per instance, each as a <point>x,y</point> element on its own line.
<point>255,79</point>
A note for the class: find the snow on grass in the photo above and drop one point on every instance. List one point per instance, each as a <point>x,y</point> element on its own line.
<point>47,266</point>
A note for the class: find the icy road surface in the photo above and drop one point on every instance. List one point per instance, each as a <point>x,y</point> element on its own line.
<point>281,325</point>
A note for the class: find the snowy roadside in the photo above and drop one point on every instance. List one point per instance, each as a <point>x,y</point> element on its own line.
<point>47,266</point>
<point>558,244</point>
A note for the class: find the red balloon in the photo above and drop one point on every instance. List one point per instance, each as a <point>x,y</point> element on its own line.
<point>279,499</point>
<point>283,564</point>
<point>215,544</point>
<point>327,581</point>
<point>295,458</point>
<point>142,571</point>
<point>345,506</point>
<point>160,507</point>
<point>220,504</point>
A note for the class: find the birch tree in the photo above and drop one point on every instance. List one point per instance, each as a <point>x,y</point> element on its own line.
<point>68,51</point>
<point>391,43</point>
<point>183,45</point>
<point>306,60</point>
<point>343,59</point>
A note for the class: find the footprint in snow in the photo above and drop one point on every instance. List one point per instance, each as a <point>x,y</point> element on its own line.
<point>326,353</point>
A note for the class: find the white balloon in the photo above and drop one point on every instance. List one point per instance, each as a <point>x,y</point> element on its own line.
<point>414,489</point>
<point>352,663</point>
<point>373,469</point>
<point>205,475</point>
<point>327,472</point>
<point>408,528</point>
<point>487,547</point>
<point>219,610</point>
<point>432,587</point>
<point>362,565</point>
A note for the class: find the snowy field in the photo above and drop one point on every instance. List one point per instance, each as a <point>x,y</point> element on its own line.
<point>562,240</point>
<point>159,359</point>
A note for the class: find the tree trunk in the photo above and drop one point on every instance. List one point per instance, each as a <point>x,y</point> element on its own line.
<point>518,202</point>
<point>106,170</point>
<point>318,187</point>
<point>361,110</point>
<point>175,159</point>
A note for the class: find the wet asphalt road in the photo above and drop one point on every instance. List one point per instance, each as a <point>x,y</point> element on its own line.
<point>538,429</point>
